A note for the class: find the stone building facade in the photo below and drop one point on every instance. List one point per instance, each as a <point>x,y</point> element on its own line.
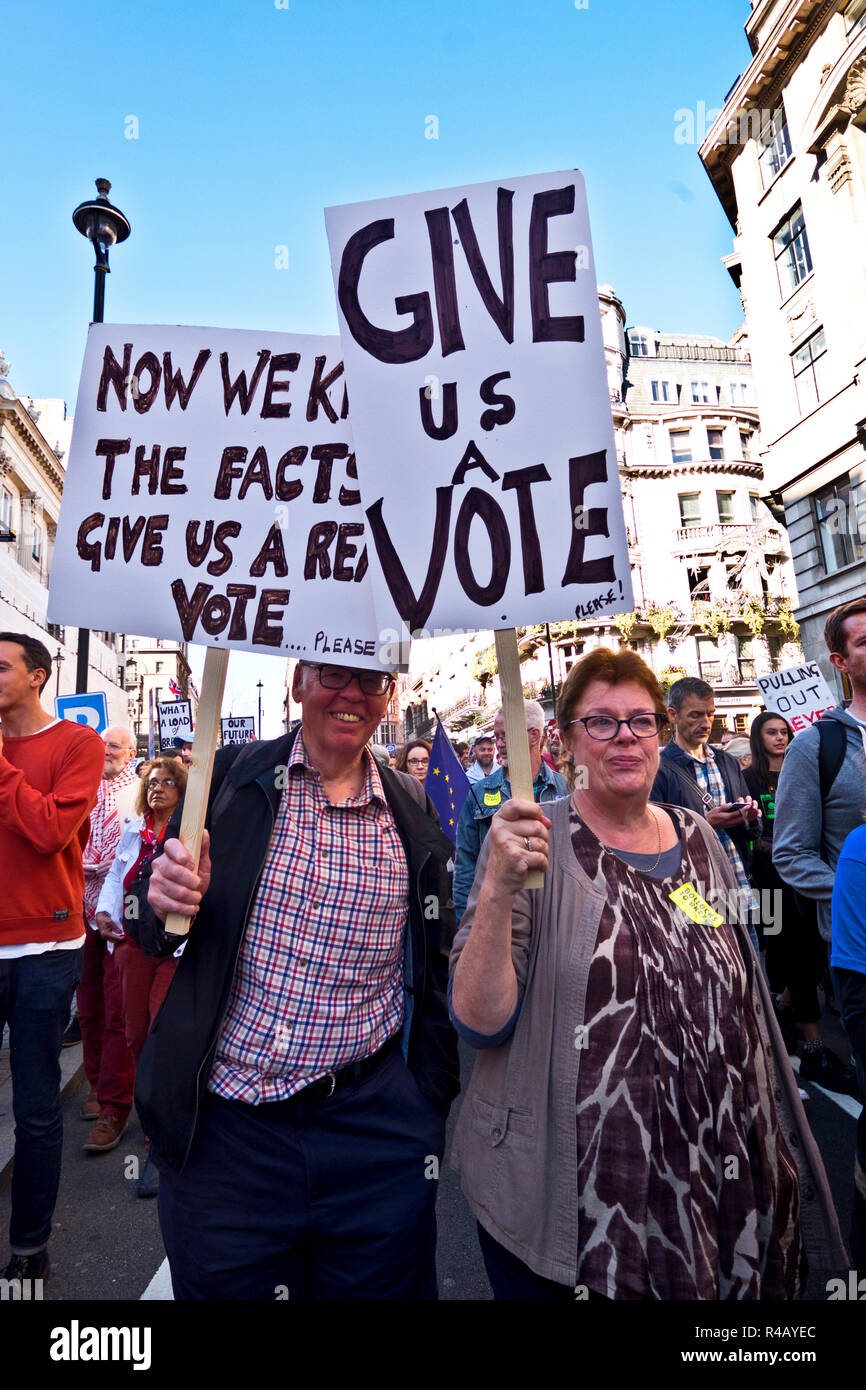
<point>787,158</point>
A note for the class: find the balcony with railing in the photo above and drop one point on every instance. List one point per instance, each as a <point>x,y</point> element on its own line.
<point>709,537</point>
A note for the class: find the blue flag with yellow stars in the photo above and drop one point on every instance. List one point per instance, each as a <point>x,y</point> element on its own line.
<point>447,784</point>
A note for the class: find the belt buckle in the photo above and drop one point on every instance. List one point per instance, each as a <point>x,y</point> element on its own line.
<point>333,1080</point>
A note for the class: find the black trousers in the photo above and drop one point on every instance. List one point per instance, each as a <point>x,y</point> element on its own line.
<point>320,1199</point>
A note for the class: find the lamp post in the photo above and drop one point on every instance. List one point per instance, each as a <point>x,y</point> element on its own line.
<point>58,657</point>
<point>104,225</point>
<point>260,710</point>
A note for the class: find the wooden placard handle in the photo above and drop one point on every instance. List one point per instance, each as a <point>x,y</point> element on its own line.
<point>201,768</point>
<point>514,714</point>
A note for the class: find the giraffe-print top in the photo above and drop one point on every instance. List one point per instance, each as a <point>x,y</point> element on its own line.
<point>686,1188</point>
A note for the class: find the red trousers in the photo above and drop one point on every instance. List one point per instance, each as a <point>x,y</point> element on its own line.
<point>144,981</point>
<point>108,1063</point>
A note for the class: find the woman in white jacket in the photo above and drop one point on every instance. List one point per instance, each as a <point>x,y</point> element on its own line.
<point>144,980</point>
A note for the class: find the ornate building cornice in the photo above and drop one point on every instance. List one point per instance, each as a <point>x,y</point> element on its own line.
<point>14,415</point>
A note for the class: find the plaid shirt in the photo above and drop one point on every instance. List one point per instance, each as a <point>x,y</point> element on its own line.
<point>707,775</point>
<point>319,979</point>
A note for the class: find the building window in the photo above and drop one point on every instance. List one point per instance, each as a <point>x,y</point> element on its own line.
<point>663,391</point>
<point>775,147</point>
<point>690,508</point>
<point>57,632</point>
<point>855,17</point>
<point>725,504</point>
<point>838,524</point>
<point>571,652</point>
<point>740,393</point>
<point>746,444</point>
<point>700,392</point>
<point>809,371</point>
<point>753,505</point>
<point>5,509</point>
<point>681,446</point>
<point>741,722</point>
<point>159,666</point>
<point>716,441</point>
<point>37,543</point>
<point>638,343</point>
<point>708,660</point>
<point>791,249</point>
<point>699,586</point>
<point>746,658</point>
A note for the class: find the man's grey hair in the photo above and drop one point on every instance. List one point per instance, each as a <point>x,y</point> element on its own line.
<point>122,729</point>
<point>535,716</point>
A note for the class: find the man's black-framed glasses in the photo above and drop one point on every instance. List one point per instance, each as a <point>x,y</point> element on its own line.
<point>338,678</point>
<point>604,726</point>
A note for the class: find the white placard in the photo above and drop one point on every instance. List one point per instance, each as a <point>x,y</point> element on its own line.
<point>799,693</point>
<point>239,728</point>
<point>211,495</point>
<point>472,340</point>
<point>175,721</point>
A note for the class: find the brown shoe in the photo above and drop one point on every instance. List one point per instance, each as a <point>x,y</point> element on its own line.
<point>105,1135</point>
<point>90,1108</point>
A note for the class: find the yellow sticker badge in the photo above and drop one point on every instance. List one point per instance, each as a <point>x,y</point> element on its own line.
<point>492,798</point>
<point>693,905</point>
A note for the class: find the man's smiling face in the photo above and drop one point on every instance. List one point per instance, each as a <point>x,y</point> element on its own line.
<point>340,720</point>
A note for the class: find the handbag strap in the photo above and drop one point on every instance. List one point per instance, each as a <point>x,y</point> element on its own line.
<point>706,800</point>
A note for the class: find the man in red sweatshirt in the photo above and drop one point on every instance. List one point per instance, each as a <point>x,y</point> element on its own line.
<point>50,770</point>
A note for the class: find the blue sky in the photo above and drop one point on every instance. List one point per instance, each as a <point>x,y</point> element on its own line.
<point>252,117</point>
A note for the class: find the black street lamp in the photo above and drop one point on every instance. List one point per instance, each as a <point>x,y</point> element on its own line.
<point>106,226</point>
<point>57,660</point>
<point>260,710</point>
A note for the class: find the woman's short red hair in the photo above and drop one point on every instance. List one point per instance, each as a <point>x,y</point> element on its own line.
<point>613,668</point>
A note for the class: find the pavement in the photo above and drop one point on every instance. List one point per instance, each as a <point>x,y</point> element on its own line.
<point>71,1077</point>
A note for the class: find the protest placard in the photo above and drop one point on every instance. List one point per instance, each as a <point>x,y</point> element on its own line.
<point>238,728</point>
<point>175,721</point>
<point>472,340</point>
<point>212,496</point>
<point>480,405</point>
<point>799,693</point>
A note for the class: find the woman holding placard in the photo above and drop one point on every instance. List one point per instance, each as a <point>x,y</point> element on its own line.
<point>632,1128</point>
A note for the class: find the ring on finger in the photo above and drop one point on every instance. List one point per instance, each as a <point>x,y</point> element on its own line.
<point>528,843</point>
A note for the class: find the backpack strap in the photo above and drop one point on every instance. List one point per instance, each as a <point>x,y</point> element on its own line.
<point>832,742</point>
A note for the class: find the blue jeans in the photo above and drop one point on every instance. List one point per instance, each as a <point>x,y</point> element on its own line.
<point>35,997</point>
<point>322,1199</point>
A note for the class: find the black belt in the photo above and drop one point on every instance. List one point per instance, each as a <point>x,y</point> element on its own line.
<point>346,1076</point>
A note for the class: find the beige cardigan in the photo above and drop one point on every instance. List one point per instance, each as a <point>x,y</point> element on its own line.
<point>515,1143</point>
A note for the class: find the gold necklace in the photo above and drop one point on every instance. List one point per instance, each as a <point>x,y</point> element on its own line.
<point>658,858</point>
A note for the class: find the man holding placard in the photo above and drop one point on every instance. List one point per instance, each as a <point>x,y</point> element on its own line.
<point>296,1084</point>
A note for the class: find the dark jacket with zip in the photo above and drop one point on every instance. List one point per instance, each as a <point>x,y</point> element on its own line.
<point>245,794</point>
<point>670,788</point>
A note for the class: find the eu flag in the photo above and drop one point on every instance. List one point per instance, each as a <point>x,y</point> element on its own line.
<point>446,784</point>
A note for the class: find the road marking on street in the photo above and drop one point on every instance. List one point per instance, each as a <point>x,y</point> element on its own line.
<point>851,1106</point>
<point>160,1285</point>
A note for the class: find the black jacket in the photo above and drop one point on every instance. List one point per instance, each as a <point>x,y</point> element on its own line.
<point>245,794</point>
<point>669,787</point>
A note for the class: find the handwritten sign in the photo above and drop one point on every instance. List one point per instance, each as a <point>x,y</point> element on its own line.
<point>472,340</point>
<point>175,721</point>
<point>799,693</point>
<point>239,728</point>
<point>212,495</point>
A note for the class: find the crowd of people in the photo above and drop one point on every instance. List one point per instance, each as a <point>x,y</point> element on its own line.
<point>633,1127</point>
